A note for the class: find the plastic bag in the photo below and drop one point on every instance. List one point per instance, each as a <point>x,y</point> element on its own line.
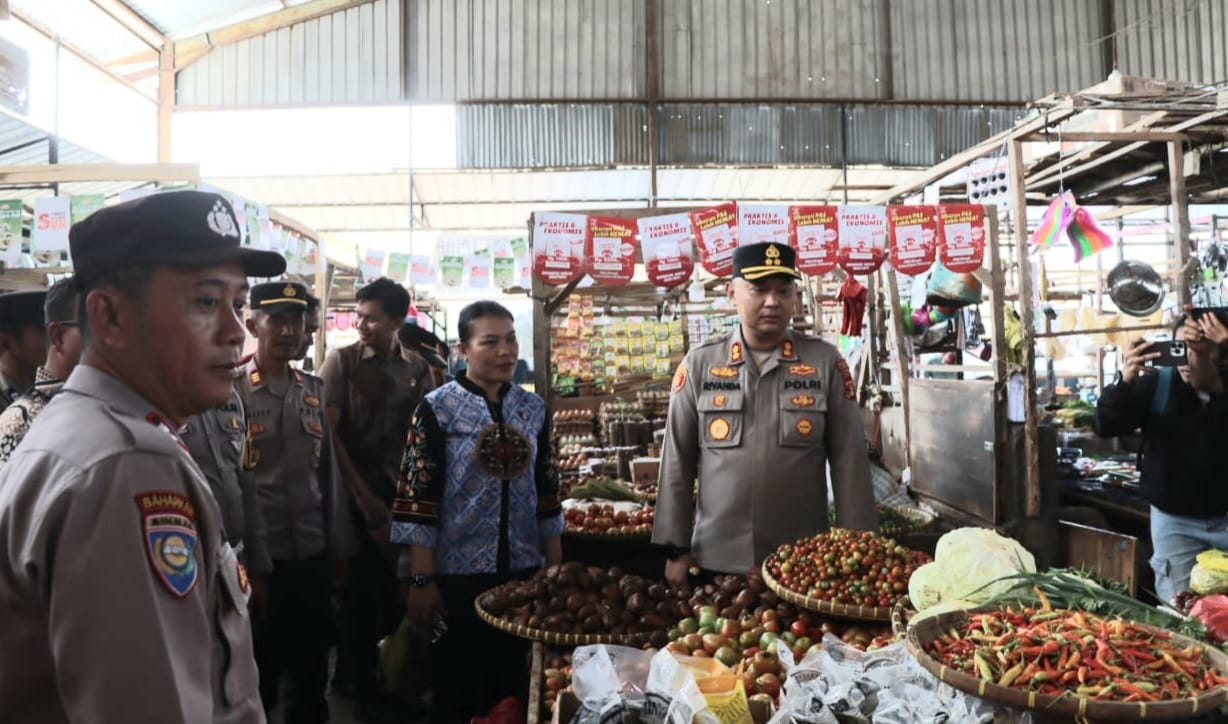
<point>601,671</point>
<point>1213,612</point>
<point>609,681</point>
<point>1210,573</point>
<point>684,689</point>
<point>886,686</point>
<point>404,660</point>
<point>950,290</point>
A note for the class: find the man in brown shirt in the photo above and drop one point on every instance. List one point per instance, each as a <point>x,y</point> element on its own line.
<point>370,393</point>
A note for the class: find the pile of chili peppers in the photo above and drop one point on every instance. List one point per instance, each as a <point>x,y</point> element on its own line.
<point>1065,653</point>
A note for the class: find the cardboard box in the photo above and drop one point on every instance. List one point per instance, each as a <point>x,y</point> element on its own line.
<point>568,705</point>
<point>644,471</point>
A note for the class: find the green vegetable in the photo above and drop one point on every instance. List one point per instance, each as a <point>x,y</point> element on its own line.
<point>1072,589</point>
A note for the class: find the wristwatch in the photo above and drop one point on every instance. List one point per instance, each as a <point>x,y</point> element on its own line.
<point>420,581</point>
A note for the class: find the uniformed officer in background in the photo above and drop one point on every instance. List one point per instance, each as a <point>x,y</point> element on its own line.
<point>427,347</point>
<point>23,342</point>
<point>311,325</point>
<point>63,353</point>
<point>757,415</point>
<point>120,597</point>
<point>217,440</point>
<point>305,504</point>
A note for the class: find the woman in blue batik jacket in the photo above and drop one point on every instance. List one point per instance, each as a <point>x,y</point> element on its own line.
<point>477,505</point>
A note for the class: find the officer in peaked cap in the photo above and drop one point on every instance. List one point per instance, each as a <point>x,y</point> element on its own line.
<point>722,430</point>
<point>115,540</point>
<point>311,325</point>
<point>303,498</point>
<point>23,343</point>
<point>428,346</point>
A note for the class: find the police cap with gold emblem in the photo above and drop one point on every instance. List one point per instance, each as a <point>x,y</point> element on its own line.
<point>278,297</point>
<point>418,339</point>
<point>179,228</point>
<point>760,261</point>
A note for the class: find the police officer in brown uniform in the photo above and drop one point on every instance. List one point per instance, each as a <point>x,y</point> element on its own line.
<point>311,325</point>
<point>23,346</point>
<point>756,415</point>
<point>304,502</point>
<point>426,346</point>
<point>121,599</point>
<point>217,440</point>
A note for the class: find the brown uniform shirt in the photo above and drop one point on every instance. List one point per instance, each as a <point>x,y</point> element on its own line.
<point>297,478</point>
<point>759,440</point>
<point>376,395</point>
<point>121,600</point>
<point>217,439</point>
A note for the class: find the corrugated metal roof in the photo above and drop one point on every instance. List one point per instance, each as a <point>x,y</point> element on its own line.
<point>555,136</point>
<point>551,135</point>
<point>352,56</point>
<point>782,48</point>
<point>995,51</point>
<point>1175,40</point>
<point>181,18</point>
<point>486,49</point>
<point>83,25</point>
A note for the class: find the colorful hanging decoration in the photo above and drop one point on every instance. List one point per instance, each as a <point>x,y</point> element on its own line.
<point>1054,223</point>
<point>1086,236</point>
<point>1065,216</point>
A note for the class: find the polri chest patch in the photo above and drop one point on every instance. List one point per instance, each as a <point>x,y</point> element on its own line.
<point>168,527</point>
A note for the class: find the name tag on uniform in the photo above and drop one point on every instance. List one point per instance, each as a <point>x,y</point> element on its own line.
<point>723,385</point>
<point>802,377</point>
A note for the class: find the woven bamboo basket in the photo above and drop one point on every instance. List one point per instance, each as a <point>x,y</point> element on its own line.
<point>925,631</point>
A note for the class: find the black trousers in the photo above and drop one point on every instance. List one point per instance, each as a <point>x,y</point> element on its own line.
<point>370,610</point>
<point>294,638</point>
<point>474,666</point>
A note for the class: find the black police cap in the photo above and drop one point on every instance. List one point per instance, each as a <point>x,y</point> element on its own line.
<point>22,309</point>
<point>761,261</point>
<point>173,227</point>
<point>418,339</point>
<point>278,297</point>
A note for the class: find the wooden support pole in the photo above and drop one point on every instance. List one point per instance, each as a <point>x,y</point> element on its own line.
<point>166,102</point>
<point>1031,453</point>
<point>324,288</point>
<point>541,342</point>
<point>902,363</point>
<point>1182,250</point>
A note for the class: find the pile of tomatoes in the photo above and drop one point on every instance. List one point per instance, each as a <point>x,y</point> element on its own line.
<point>854,568</point>
<point>603,518</point>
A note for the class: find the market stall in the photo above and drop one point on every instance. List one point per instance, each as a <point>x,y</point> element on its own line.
<point>47,199</point>
<point>1125,147</point>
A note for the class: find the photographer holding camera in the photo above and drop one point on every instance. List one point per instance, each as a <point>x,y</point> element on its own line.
<point>1182,412</point>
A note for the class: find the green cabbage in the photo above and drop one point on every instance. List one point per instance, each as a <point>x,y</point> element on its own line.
<point>967,562</point>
